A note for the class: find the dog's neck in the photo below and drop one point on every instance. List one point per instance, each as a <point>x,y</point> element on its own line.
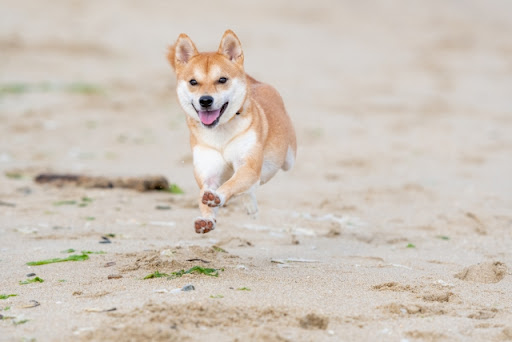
<point>245,104</point>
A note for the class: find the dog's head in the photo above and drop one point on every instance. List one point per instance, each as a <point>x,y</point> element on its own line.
<point>211,86</point>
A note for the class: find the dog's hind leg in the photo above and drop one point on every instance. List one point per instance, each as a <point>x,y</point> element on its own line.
<point>289,160</point>
<point>250,202</point>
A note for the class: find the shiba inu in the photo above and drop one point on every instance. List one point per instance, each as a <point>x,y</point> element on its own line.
<point>240,132</point>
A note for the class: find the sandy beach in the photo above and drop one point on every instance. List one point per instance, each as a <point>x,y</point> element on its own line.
<point>395,223</point>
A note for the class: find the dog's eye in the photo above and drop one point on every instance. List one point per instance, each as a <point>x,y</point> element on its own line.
<point>223,80</point>
<point>193,82</point>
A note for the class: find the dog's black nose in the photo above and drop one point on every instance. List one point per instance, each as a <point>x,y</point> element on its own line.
<point>206,101</point>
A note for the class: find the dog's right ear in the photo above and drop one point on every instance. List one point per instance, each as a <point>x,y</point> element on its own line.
<point>181,52</point>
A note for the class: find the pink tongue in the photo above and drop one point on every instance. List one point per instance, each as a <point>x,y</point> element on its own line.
<point>208,117</point>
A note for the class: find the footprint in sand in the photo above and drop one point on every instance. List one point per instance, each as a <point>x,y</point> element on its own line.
<point>486,272</point>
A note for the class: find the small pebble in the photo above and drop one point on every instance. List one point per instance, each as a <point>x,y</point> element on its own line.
<point>31,274</point>
<point>188,287</point>
<point>105,240</point>
<point>163,207</point>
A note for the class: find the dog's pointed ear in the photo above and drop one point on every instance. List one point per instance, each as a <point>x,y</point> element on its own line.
<point>181,52</point>
<point>231,47</point>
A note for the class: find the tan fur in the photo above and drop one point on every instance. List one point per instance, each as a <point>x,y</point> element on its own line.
<point>249,142</point>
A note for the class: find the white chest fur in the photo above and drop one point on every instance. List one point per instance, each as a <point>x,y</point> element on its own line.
<point>219,152</point>
<point>229,150</point>
<point>221,136</point>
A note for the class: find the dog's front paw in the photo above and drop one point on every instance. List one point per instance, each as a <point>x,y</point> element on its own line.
<point>204,225</point>
<point>212,199</point>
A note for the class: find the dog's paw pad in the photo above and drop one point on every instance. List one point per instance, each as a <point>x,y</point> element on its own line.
<point>204,225</point>
<point>211,199</point>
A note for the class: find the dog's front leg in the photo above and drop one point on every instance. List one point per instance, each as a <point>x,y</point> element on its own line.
<point>209,168</point>
<point>244,179</point>
<point>207,221</point>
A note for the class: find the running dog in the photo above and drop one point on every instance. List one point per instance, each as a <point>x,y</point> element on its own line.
<point>240,133</point>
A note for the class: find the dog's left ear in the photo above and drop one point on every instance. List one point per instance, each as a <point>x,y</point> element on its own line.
<point>231,47</point>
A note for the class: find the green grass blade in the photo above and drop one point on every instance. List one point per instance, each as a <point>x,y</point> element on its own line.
<point>33,280</point>
<point>175,189</point>
<point>5,296</point>
<point>156,274</point>
<point>73,257</point>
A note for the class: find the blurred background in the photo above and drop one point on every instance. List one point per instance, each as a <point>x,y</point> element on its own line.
<point>397,92</point>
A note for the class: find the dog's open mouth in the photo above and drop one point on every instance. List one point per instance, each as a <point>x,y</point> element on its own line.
<point>210,118</point>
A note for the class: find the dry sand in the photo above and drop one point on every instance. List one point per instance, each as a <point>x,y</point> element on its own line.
<point>394,225</point>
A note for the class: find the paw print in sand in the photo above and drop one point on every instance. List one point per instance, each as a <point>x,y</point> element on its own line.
<point>204,225</point>
<point>211,199</point>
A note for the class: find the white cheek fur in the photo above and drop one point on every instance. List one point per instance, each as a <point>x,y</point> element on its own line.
<point>186,99</point>
<point>235,95</point>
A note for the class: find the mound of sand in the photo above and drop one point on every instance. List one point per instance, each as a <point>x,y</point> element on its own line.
<point>487,272</point>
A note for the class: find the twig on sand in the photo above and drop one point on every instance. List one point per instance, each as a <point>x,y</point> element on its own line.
<point>145,183</point>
